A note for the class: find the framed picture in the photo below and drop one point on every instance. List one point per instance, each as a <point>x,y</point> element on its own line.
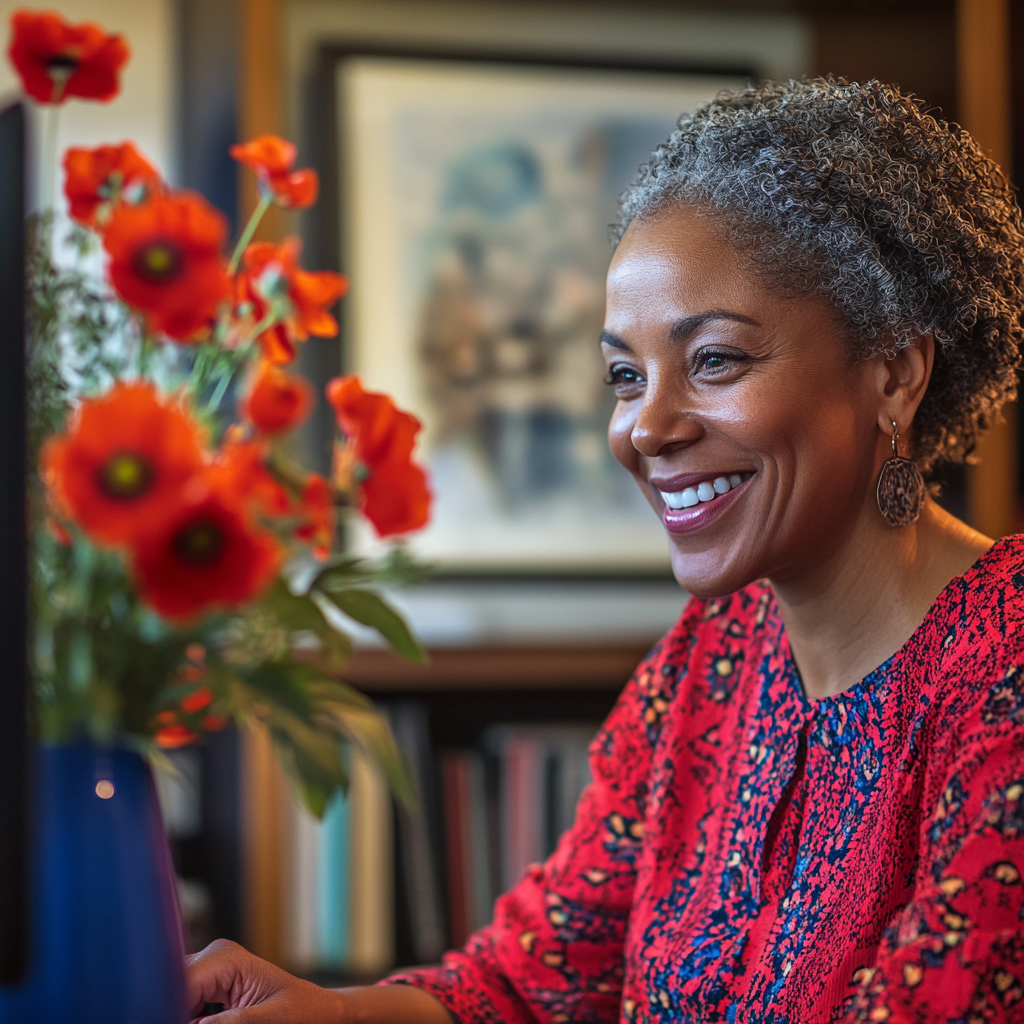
<point>474,199</point>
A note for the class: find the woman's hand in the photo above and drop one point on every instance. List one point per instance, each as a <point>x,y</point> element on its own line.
<point>254,991</point>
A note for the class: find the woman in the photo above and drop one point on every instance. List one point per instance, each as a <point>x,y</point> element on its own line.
<point>808,804</point>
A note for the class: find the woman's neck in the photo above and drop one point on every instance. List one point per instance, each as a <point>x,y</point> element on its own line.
<point>847,614</point>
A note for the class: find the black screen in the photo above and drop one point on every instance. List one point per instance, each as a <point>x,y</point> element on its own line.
<point>13,653</point>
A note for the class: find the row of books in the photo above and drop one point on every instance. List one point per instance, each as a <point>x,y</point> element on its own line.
<point>374,885</point>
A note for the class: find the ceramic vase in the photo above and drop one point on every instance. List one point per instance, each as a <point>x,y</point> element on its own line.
<point>106,940</point>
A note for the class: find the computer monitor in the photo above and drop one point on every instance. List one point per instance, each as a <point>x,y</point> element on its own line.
<point>14,759</point>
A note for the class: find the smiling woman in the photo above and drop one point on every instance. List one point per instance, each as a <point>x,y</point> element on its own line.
<point>808,804</point>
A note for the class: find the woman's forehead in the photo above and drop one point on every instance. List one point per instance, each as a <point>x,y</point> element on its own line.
<point>683,261</point>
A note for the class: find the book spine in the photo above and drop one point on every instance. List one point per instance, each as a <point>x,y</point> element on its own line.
<point>455,781</point>
<point>418,848</point>
<point>333,905</point>
<point>302,869</point>
<point>523,799</point>
<point>482,891</point>
<point>371,883</point>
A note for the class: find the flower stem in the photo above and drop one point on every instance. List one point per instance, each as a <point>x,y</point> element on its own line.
<point>250,229</point>
<point>218,394</point>
<point>270,320</point>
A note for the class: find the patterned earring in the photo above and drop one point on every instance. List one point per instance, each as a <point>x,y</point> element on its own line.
<point>900,490</point>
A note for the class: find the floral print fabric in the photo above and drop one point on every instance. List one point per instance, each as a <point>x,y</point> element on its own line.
<point>745,855</point>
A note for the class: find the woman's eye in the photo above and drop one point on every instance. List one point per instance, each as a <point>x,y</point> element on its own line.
<point>623,376</point>
<point>714,361</point>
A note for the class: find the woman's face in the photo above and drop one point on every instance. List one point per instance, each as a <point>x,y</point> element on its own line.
<point>740,414</point>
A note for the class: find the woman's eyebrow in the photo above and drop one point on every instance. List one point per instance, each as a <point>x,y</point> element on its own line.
<point>607,338</point>
<point>682,329</point>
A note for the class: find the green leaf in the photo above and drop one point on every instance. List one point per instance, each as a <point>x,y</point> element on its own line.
<point>370,731</point>
<point>326,691</point>
<point>372,610</point>
<point>299,613</point>
<point>283,685</point>
<point>341,572</point>
<point>311,756</point>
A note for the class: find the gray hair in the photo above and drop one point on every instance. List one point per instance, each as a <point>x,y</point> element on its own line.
<point>853,191</point>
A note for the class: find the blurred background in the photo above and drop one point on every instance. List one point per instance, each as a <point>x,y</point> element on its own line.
<point>470,154</point>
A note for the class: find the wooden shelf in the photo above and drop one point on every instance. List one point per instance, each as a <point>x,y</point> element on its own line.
<point>495,667</point>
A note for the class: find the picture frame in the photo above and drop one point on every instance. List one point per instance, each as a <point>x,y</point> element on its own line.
<point>471,197</point>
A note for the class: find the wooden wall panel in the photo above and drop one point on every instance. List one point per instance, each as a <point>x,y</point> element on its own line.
<point>261,96</point>
<point>984,101</point>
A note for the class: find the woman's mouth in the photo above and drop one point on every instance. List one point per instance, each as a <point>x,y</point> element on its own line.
<point>694,506</point>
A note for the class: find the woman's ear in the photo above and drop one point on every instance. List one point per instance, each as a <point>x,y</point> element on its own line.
<point>903,380</point>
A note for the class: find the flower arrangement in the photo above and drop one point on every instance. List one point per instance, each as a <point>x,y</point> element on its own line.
<point>185,566</point>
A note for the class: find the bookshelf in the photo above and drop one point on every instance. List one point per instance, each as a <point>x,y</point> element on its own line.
<point>495,667</point>
<point>544,696</point>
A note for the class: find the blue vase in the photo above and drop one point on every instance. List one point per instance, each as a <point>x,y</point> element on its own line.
<point>106,943</point>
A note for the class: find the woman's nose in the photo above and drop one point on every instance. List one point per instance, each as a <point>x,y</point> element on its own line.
<point>664,424</point>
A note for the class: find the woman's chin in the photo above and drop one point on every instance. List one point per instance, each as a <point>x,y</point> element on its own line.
<point>710,573</point>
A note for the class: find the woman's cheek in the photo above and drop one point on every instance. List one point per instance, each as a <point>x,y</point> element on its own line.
<point>620,435</point>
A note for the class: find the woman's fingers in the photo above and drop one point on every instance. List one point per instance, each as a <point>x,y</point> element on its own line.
<point>252,990</point>
<point>212,975</point>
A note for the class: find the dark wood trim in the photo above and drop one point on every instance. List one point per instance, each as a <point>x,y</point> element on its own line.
<point>323,136</point>
<point>498,668</point>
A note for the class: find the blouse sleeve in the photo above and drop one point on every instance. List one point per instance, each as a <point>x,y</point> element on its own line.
<point>956,951</point>
<point>554,951</point>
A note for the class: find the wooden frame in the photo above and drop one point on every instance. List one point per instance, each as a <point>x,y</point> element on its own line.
<point>498,508</point>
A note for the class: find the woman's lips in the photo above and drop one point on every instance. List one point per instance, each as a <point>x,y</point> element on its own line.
<point>688,520</point>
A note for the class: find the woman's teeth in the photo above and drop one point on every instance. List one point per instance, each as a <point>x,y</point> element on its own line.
<point>706,490</point>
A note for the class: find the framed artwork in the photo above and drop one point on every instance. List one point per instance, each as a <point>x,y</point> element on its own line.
<point>474,200</point>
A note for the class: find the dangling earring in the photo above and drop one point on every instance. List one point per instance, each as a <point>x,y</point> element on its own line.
<point>900,490</point>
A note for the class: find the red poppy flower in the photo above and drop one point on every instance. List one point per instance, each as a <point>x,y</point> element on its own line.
<point>271,273</point>
<point>204,554</point>
<point>277,400</point>
<point>57,60</point>
<point>165,261</point>
<point>197,700</point>
<point>271,158</point>
<point>318,508</point>
<point>173,736</point>
<point>124,457</point>
<point>394,492</point>
<point>241,470</point>
<point>96,180</point>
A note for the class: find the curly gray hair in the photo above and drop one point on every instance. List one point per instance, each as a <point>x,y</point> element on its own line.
<point>854,192</point>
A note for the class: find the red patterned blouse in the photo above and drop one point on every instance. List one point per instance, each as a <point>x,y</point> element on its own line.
<point>744,855</point>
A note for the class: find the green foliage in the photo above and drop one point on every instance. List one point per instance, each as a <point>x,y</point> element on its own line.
<point>372,610</point>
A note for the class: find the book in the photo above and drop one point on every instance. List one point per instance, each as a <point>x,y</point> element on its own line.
<point>541,772</point>
<point>371,861</point>
<point>300,941</point>
<point>482,819</point>
<point>333,902</point>
<point>418,837</point>
<point>458,844</point>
